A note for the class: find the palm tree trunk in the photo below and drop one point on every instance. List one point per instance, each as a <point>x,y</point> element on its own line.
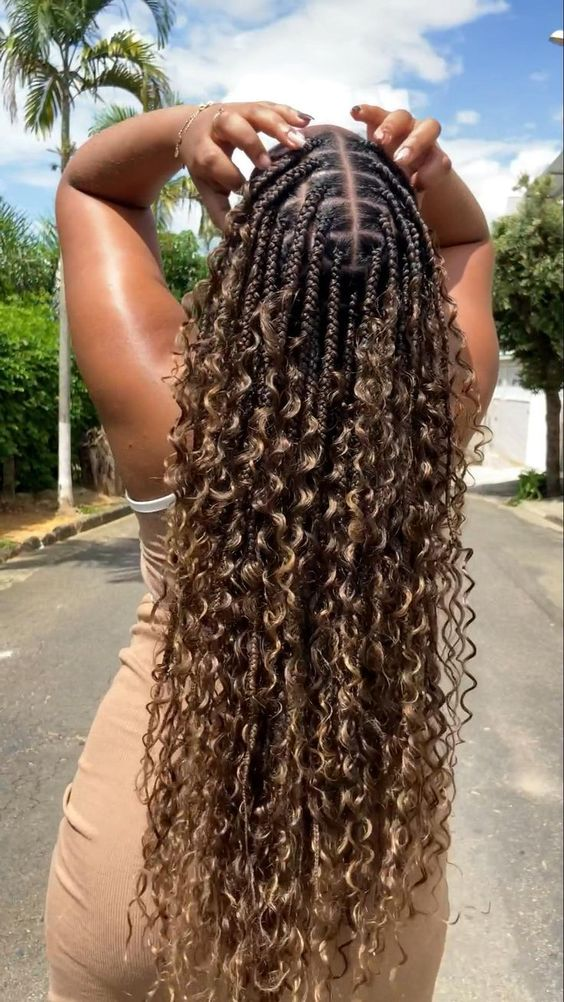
<point>553,481</point>
<point>65,492</point>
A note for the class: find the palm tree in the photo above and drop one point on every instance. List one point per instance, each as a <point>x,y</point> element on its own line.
<point>179,190</point>
<point>54,49</point>
<point>15,241</point>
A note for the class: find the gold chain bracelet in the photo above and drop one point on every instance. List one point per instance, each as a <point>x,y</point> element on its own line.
<point>187,124</point>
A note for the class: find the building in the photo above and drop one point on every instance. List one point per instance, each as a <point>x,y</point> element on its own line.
<point>555,170</point>
<point>517,419</point>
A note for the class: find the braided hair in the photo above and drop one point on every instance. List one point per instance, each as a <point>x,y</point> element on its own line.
<point>308,702</point>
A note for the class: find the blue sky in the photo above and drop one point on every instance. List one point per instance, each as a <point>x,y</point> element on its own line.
<point>484,68</point>
<point>501,55</point>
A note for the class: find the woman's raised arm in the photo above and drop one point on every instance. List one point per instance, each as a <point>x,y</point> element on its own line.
<point>451,211</point>
<point>122,317</point>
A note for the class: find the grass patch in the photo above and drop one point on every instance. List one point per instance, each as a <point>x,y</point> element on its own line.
<point>89,509</point>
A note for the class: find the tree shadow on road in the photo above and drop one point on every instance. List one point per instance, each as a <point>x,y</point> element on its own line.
<point>118,557</point>
<point>505,489</point>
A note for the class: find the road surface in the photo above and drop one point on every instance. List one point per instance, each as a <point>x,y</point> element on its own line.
<point>66,611</point>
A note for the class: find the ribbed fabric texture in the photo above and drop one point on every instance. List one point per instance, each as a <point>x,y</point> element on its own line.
<point>98,850</point>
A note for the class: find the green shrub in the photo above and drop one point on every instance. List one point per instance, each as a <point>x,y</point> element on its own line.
<point>531,486</point>
<point>29,348</point>
<point>29,395</point>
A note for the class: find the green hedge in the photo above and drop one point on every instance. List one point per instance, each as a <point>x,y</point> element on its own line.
<point>29,395</point>
<point>28,361</point>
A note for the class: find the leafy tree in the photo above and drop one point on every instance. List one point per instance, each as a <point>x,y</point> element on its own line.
<point>528,301</point>
<point>183,265</point>
<point>54,49</point>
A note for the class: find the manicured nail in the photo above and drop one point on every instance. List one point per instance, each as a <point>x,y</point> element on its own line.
<point>402,155</point>
<point>264,161</point>
<point>382,136</point>
<point>355,110</point>
<point>302,114</point>
<point>296,137</point>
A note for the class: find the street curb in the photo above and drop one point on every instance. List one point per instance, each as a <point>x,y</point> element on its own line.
<point>92,521</point>
<point>525,511</point>
<point>61,532</point>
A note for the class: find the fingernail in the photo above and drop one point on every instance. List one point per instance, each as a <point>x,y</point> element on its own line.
<point>355,109</point>
<point>382,136</point>
<point>302,114</point>
<point>298,137</point>
<point>264,161</point>
<point>402,155</point>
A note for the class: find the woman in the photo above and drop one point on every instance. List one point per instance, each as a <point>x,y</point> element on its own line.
<point>294,695</point>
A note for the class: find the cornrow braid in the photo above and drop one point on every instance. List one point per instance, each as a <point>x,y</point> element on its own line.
<point>331,346</point>
<point>299,756</point>
<point>292,269</point>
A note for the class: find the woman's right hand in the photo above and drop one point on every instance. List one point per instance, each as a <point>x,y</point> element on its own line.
<point>208,145</point>
<point>411,142</point>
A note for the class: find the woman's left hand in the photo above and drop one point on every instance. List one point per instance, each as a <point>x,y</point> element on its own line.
<point>412,143</point>
<point>217,131</point>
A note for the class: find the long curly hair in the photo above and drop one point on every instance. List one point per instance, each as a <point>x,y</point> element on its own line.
<point>308,701</point>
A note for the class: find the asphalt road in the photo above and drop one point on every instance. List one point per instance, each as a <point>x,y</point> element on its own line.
<point>66,611</point>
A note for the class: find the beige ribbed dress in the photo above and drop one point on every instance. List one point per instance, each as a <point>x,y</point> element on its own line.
<point>98,849</point>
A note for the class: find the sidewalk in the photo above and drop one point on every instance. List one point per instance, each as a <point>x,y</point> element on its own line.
<point>32,522</point>
<point>496,481</point>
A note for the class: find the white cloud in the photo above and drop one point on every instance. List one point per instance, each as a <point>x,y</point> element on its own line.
<point>468,117</point>
<point>491,168</point>
<point>322,56</point>
<point>319,45</point>
<point>244,10</point>
<point>539,76</point>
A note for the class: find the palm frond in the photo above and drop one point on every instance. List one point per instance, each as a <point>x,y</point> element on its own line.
<point>47,232</point>
<point>125,60</point>
<point>31,23</point>
<point>173,194</point>
<point>19,63</point>
<point>111,114</point>
<point>119,75</point>
<point>123,44</point>
<point>43,101</point>
<point>162,10</point>
<point>15,228</point>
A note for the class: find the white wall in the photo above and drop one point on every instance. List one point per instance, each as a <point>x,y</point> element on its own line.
<point>517,419</point>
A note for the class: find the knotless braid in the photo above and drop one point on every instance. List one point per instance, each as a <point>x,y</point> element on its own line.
<point>308,699</point>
